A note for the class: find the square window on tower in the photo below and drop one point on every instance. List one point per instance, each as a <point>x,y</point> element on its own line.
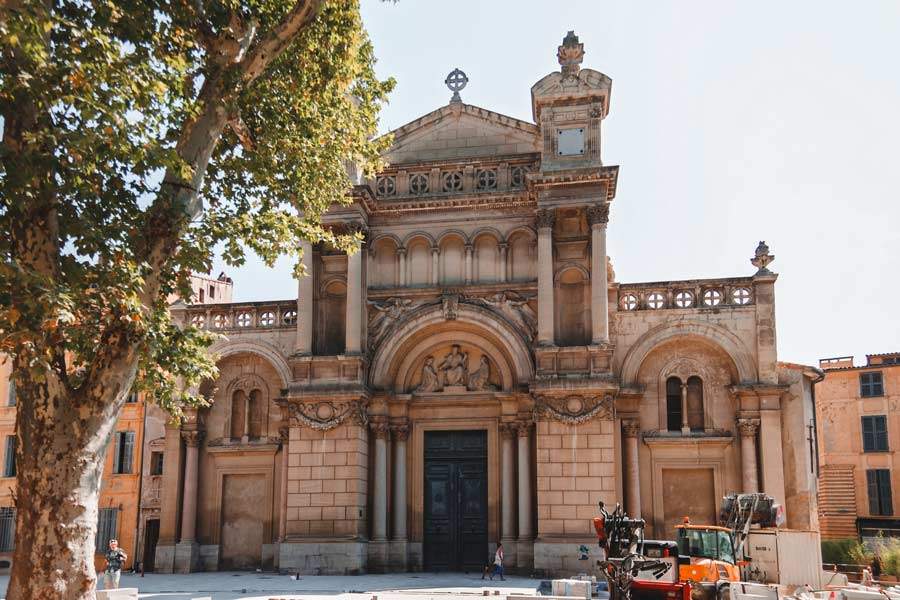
<point>570,142</point>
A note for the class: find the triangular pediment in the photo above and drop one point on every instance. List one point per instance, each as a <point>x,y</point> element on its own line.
<point>459,131</point>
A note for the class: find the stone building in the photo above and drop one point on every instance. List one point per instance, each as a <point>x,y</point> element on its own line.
<point>478,374</point>
<point>858,410</point>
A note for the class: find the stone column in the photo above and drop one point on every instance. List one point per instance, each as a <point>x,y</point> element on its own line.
<point>284,432</point>
<point>401,257</point>
<point>435,265</point>
<point>381,429</point>
<point>507,477</point>
<point>305,302</point>
<point>353,333</point>
<point>400,433</point>
<point>189,499</point>
<point>525,517</point>
<point>545,218</point>
<point>504,247</point>
<point>685,428</point>
<point>631,430</point>
<point>469,250</point>
<point>598,216</point>
<point>748,429</point>
<point>771,445</point>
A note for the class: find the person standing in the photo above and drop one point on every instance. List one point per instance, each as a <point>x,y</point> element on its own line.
<point>498,563</point>
<point>115,560</point>
<point>876,567</point>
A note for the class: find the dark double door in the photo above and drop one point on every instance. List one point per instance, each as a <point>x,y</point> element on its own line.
<point>456,523</point>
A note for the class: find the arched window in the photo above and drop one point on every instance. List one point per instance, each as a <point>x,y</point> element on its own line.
<point>333,317</point>
<point>522,258</point>
<point>487,259</point>
<point>255,407</point>
<point>453,260</point>
<point>673,404</point>
<point>238,412</point>
<point>573,309</point>
<point>695,403</point>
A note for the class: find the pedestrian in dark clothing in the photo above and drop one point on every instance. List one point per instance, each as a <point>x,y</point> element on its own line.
<point>876,567</point>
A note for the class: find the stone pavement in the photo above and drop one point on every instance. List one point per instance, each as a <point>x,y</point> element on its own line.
<point>262,586</point>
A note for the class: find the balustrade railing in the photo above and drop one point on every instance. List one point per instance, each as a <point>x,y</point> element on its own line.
<point>691,294</point>
<point>244,315</point>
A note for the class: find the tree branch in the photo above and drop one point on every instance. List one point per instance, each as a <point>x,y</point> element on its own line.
<point>278,40</point>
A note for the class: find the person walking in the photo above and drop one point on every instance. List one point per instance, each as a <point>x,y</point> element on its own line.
<point>498,563</point>
<point>876,567</point>
<point>115,560</point>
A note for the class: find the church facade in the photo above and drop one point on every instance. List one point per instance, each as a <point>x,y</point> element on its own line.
<point>477,373</point>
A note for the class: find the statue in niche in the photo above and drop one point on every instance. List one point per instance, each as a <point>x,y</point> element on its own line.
<point>479,379</point>
<point>515,308</point>
<point>455,367</point>
<point>430,381</point>
<point>386,314</point>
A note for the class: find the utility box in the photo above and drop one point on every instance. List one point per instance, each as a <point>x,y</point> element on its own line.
<point>789,557</point>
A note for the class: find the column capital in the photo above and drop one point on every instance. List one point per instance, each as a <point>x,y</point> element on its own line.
<point>524,428</point>
<point>192,437</point>
<point>435,249</point>
<point>284,433</point>
<point>631,427</point>
<point>380,427</point>
<point>508,430</point>
<point>598,214</point>
<point>748,427</point>
<point>400,431</point>
<point>544,218</point>
<point>401,250</point>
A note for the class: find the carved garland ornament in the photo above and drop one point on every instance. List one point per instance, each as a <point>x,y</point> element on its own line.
<point>575,410</point>
<point>326,415</point>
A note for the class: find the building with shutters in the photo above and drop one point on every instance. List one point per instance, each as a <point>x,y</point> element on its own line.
<point>858,409</point>
<point>478,373</point>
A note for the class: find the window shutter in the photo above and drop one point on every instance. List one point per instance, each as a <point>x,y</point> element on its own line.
<point>117,463</point>
<point>881,439</point>
<point>9,468</point>
<point>872,485</point>
<point>868,433</point>
<point>884,492</point>
<point>128,452</point>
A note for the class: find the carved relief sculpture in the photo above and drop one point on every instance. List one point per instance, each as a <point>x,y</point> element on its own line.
<point>386,314</point>
<point>327,415</point>
<point>430,381</point>
<point>455,367</point>
<point>479,379</point>
<point>574,410</point>
<point>515,308</point>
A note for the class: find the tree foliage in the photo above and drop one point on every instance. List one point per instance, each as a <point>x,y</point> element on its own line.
<point>99,100</point>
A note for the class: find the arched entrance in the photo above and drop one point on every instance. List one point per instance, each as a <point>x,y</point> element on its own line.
<point>453,380</point>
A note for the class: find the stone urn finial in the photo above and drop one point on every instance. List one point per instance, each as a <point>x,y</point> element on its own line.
<point>570,54</point>
<point>762,259</point>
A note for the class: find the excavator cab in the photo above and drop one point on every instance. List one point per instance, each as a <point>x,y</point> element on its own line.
<point>710,553</point>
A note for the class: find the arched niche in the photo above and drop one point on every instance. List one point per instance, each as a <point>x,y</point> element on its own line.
<point>243,397</point>
<point>397,362</point>
<point>522,255</point>
<point>453,259</point>
<point>332,306</point>
<point>487,258</point>
<point>572,292</point>
<point>418,260</point>
<point>384,266</point>
<point>439,345</point>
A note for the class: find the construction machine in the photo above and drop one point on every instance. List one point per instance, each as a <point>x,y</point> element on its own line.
<point>628,572</point>
<point>715,553</point>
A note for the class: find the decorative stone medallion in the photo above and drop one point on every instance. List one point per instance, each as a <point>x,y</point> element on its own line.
<point>326,415</point>
<point>575,409</point>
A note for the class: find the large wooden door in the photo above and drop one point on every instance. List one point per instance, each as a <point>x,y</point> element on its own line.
<point>455,500</point>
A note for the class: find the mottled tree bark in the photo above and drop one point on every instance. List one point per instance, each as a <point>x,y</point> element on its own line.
<point>63,430</point>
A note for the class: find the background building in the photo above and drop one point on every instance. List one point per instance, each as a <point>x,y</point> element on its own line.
<point>858,409</point>
<point>478,374</point>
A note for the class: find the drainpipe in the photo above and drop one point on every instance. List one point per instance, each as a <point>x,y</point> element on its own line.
<point>815,375</point>
<point>138,547</point>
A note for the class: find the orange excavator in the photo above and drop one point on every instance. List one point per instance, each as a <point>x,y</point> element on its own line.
<point>712,555</point>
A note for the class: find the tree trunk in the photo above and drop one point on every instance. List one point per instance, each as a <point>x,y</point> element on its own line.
<point>62,441</point>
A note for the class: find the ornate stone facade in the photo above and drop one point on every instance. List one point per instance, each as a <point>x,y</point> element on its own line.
<point>478,347</point>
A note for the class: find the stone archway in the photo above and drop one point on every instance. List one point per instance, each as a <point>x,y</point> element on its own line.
<point>720,337</point>
<point>427,330</point>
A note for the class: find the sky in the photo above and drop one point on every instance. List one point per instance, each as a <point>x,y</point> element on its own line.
<point>731,122</point>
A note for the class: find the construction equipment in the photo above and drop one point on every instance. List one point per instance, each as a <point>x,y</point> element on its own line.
<point>716,552</point>
<point>628,573</point>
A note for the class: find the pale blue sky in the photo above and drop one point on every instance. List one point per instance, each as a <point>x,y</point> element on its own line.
<point>732,122</point>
